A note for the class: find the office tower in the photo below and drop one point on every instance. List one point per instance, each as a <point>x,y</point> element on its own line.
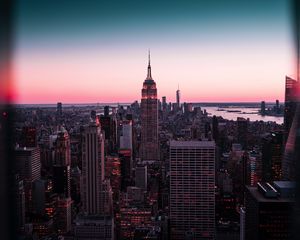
<point>28,137</point>
<point>192,189</point>
<point>291,88</point>
<point>242,132</point>
<point>109,126</point>
<point>113,173</point>
<point>269,211</point>
<point>291,124</point>
<point>28,166</point>
<point>126,134</point>
<point>28,163</point>
<point>61,176</point>
<point>272,153</point>
<point>263,108</point>
<point>63,219</point>
<point>75,184</point>
<point>141,176</point>
<point>92,168</point>
<point>125,156</point>
<point>61,163</point>
<point>61,147</point>
<point>94,227</point>
<point>59,112</point>
<point>164,103</point>
<point>149,119</point>
<point>178,98</point>
<point>215,128</point>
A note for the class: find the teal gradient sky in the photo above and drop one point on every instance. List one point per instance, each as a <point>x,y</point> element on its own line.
<point>96,51</point>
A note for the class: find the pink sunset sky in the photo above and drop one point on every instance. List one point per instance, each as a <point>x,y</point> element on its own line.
<point>228,53</point>
<point>203,75</point>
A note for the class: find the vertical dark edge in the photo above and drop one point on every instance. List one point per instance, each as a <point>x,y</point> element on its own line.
<point>7,198</point>
<point>295,9</point>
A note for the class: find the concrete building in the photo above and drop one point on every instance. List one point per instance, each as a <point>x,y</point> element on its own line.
<point>269,210</point>
<point>192,189</point>
<point>92,168</point>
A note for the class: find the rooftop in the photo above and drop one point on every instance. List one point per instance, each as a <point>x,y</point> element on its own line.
<point>192,144</point>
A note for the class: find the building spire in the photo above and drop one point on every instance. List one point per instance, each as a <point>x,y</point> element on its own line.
<point>149,77</point>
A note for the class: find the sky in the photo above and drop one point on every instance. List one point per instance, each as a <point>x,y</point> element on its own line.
<point>96,51</point>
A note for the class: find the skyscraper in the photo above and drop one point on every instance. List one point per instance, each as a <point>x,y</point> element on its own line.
<point>164,103</point>
<point>291,123</point>
<point>126,134</point>
<point>272,150</point>
<point>178,98</point>
<point>263,108</point>
<point>28,166</point>
<point>92,168</point>
<point>242,132</point>
<point>149,119</point>
<point>192,189</point>
<point>269,211</point>
<point>290,104</point>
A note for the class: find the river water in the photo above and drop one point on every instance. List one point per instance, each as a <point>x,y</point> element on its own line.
<point>251,113</point>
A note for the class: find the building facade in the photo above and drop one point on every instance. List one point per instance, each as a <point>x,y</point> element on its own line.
<point>92,168</point>
<point>192,189</point>
<point>149,119</point>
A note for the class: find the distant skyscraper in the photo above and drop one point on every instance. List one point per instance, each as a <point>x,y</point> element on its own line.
<point>215,128</point>
<point>263,108</point>
<point>92,168</point>
<point>242,131</point>
<point>164,103</point>
<point>178,97</point>
<point>59,112</point>
<point>149,119</point>
<point>277,107</point>
<point>192,190</point>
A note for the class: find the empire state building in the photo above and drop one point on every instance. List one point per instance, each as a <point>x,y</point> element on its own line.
<point>149,119</point>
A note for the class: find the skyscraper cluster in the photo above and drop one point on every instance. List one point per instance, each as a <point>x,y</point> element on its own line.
<point>154,170</point>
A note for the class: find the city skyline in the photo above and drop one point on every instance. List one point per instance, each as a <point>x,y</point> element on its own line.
<point>99,54</point>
